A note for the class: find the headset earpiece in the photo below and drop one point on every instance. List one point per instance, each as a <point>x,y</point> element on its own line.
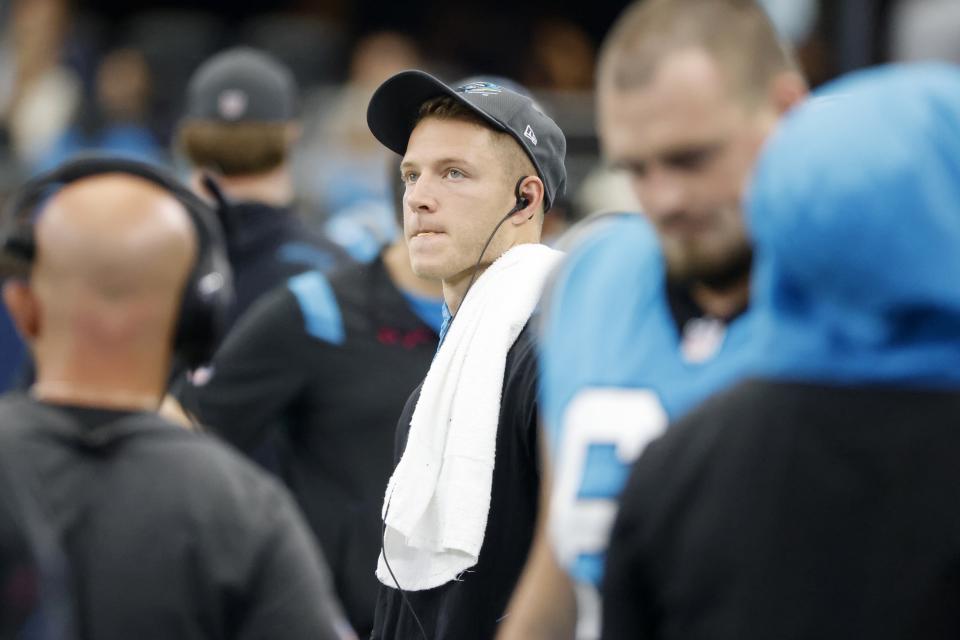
<point>522,200</point>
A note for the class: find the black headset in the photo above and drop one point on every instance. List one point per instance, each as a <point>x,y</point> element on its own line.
<point>208,293</point>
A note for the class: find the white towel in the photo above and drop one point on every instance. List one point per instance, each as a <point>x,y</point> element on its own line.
<point>438,498</point>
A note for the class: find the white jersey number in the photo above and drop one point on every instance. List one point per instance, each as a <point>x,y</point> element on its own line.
<point>604,431</point>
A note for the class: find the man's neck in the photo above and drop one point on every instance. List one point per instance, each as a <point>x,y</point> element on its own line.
<point>54,392</point>
<point>274,187</point>
<point>396,260</point>
<point>456,288</point>
<point>116,384</point>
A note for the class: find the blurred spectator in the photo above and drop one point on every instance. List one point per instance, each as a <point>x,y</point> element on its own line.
<point>239,126</point>
<point>605,190</point>
<point>341,166</point>
<point>926,30</point>
<point>794,19</point>
<point>168,534</point>
<point>115,121</point>
<point>561,57</point>
<point>45,93</point>
<point>174,43</point>
<point>314,49</point>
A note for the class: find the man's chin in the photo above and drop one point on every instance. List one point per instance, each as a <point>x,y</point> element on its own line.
<point>715,272</point>
<point>428,270</point>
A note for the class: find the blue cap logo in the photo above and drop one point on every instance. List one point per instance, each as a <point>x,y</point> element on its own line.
<point>482,88</point>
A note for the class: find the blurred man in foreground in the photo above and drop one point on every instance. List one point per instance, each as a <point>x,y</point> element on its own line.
<point>167,533</point>
<point>818,499</point>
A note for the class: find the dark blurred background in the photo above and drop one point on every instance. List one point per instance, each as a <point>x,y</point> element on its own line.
<point>106,74</point>
<point>110,75</point>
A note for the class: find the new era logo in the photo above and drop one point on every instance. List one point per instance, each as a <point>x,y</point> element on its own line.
<point>232,104</point>
<point>528,133</point>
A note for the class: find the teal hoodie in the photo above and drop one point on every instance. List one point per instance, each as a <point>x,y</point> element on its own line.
<point>854,208</point>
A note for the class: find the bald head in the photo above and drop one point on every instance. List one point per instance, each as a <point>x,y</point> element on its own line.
<point>116,237</point>
<point>113,255</point>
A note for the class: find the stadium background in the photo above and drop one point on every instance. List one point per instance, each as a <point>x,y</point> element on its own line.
<point>106,74</point>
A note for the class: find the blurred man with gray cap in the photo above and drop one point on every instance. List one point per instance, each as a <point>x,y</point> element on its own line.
<point>240,125</point>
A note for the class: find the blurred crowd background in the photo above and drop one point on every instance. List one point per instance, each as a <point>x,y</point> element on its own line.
<point>109,75</point>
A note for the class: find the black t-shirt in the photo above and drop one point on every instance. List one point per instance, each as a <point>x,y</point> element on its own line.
<point>168,534</point>
<point>267,245</point>
<point>327,362</point>
<point>472,607</point>
<point>780,510</point>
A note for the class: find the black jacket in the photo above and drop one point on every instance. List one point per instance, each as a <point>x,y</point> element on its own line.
<point>266,245</point>
<point>321,369</point>
<point>167,533</point>
<point>793,511</point>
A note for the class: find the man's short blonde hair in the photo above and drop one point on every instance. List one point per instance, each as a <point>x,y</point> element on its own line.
<point>516,161</point>
<point>235,149</point>
<point>737,34</point>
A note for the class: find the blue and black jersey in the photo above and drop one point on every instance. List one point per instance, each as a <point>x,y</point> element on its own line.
<point>267,245</point>
<point>817,498</point>
<point>327,363</point>
<point>624,352</point>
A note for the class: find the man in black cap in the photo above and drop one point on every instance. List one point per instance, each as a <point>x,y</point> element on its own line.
<point>240,125</point>
<point>481,165</point>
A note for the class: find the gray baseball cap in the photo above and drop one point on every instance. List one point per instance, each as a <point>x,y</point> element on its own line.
<point>396,103</point>
<point>242,85</point>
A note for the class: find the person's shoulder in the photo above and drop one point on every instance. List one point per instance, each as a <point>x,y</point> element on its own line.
<point>213,475</point>
<point>606,309</point>
<point>351,276</point>
<point>318,300</point>
<point>615,261</point>
<point>706,431</point>
<point>17,412</point>
<point>612,241</point>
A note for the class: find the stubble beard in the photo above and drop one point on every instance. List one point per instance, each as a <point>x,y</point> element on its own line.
<point>687,266</point>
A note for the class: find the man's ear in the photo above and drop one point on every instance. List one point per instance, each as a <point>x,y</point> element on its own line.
<point>786,90</point>
<point>531,190</point>
<point>23,307</point>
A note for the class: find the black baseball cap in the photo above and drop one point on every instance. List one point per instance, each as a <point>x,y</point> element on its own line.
<point>396,103</point>
<point>242,85</point>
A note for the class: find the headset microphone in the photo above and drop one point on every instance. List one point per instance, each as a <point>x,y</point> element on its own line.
<point>522,202</point>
